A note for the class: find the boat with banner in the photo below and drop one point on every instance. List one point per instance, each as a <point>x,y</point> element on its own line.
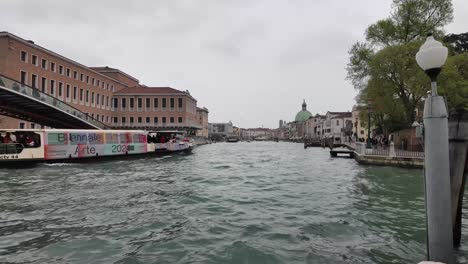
<point>63,145</point>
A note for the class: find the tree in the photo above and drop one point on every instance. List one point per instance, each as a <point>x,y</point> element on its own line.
<point>458,43</point>
<point>383,68</point>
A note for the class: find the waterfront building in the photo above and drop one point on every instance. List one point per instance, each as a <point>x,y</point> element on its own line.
<point>220,130</point>
<point>106,94</point>
<point>297,127</point>
<point>202,117</point>
<point>253,133</point>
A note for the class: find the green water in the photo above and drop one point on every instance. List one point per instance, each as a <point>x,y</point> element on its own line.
<point>259,202</point>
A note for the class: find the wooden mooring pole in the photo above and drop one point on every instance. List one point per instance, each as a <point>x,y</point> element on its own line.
<point>458,149</point>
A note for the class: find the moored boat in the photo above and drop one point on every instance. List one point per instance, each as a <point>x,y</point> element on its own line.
<point>36,145</point>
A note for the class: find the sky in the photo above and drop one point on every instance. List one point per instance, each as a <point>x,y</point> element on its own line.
<point>251,62</point>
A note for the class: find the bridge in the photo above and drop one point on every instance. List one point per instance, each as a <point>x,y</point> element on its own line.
<point>24,102</point>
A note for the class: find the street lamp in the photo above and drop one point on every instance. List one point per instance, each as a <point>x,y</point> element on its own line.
<point>369,111</point>
<point>431,57</point>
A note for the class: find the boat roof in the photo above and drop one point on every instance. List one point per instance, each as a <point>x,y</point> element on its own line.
<point>169,131</point>
<point>72,130</point>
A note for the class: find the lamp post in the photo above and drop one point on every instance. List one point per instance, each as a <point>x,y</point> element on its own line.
<point>431,57</point>
<point>369,111</point>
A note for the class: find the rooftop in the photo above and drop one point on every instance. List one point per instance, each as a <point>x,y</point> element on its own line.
<point>150,90</point>
<point>106,69</point>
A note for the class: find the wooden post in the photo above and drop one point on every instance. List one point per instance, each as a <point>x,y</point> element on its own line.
<point>458,148</point>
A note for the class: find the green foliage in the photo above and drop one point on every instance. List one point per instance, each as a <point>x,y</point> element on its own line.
<point>453,81</point>
<point>384,69</point>
<point>457,43</point>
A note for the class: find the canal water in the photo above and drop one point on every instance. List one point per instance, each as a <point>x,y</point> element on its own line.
<point>259,202</point>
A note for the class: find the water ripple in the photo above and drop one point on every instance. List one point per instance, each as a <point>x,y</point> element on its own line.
<point>256,202</point>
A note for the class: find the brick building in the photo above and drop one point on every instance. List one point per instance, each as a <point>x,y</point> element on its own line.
<point>104,93</point>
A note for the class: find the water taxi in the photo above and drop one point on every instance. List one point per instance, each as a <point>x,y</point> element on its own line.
<point>72,145</point>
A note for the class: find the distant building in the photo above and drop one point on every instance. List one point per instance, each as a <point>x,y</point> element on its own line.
<point>253,133</point>
<point>104,94</point>
<point>220,129</point>
<point>297,127</point>
<point>202,117</point>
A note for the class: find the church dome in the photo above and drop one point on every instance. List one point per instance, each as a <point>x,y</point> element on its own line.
<point>303,115</point>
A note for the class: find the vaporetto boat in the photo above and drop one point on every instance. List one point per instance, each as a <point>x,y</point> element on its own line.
<point>72,145</point>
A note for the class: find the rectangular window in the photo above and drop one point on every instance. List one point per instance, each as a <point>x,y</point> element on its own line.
<point>140,102</point>
<point>34,81</point>
<point>112,88</point>
<point>107,101</point>
<point>92,81</point>
<point>75,91</point>
<point>179,102</point>
<point>115,119</point>
<point>60,69</point>
<point>132,102</point>
<point>81,77</point>
<point>44,64</point>
<point>21,125</point>
<point>87,96</point>
<point>107,86</point>
<point>163,119</point>
<point>155,120</point>
<point>337,122</point>
<point>98,82</point>
<point>171,119</point>
<point>132,119</point>
<point>179,119</point>
<point>33,126</point>
<point>97,99</point>
<point>123,120</point>
<point>148,120</point>
<point>68,72</point>
<point>148,103</point>
<point>164,102</point>
<point>92,97</point>
<point>81,95</point>
<point>102,100</point>
<point>52,87</point>
<point>75,75</point>
<point>52,66</point>
<point>124,103</point>
<point>140,120</point>
<point>24,56</point>
<point>102,85</point>
<point>24,77</point>
<point>60,89</point>
<point>44,84</point>
<point>172,102</point>
<point>87,79</point>
<point>156,103</point>
<point>115,103</point>
<point>68,91</point>
<point>34,60</point>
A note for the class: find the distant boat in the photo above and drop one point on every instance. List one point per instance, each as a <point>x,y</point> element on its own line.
<point>232,139</point>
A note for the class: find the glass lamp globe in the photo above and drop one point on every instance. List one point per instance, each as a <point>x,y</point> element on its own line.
<point>432,54</point>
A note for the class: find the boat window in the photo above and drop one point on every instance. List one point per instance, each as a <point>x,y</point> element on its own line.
<point>78,138</point>
<point>15,142</point>
<point>56,138</point>
<point>112,138</point>
<point>125,138</point>
<point>95,138</point>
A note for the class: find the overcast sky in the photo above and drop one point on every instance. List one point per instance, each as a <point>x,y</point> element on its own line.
<point>248,61</point>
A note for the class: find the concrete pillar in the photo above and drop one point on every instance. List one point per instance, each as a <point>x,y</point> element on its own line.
<point>437,181</point>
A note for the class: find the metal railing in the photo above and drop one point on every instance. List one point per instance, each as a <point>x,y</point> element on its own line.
<point>50,100</point>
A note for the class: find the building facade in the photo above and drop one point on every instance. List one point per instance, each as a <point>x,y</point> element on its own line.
<point>202,117</point>
<point>103,93</point>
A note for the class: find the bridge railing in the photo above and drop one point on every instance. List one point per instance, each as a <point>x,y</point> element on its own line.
<point>50,100</point>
